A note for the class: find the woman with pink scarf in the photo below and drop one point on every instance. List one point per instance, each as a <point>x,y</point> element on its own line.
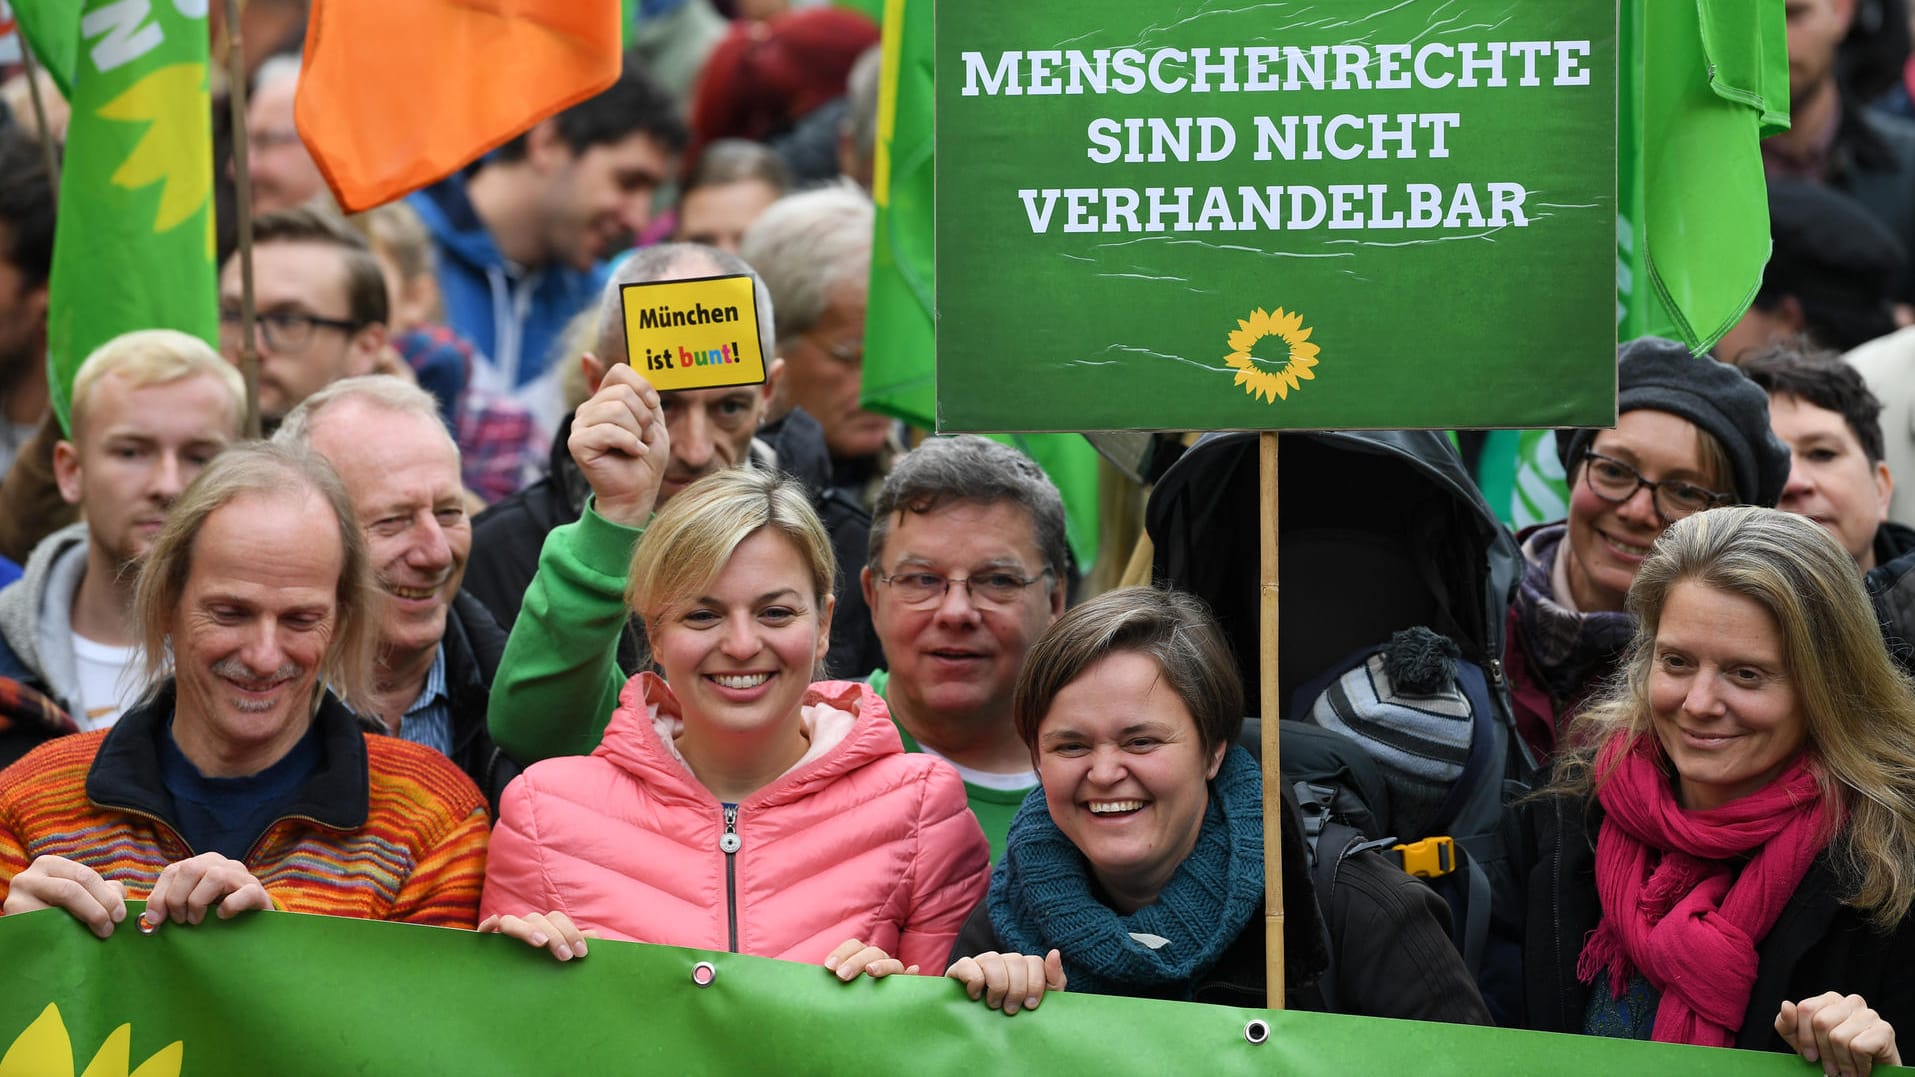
<point>1728,857</point>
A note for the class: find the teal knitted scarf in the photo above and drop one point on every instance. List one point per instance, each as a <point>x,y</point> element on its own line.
<point>1041,896</point>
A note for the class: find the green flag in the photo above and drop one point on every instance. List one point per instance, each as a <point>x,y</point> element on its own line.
<point>900,339</point>
<point>1711,79</point>
<point>282,993</point>
<point>133,248</point>
<point>874,9</point>
<point>1705,81</point>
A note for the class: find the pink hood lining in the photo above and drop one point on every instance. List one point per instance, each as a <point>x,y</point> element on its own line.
<point>830,715</point>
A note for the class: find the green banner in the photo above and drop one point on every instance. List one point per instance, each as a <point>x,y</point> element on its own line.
<point>283,993</point>
<point>1399,213</point>
<point>134,245</point>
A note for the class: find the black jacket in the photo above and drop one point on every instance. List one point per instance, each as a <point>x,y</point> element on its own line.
<point>28,718</point>
<point>1389,934</point>
<point>1873,161</point>
<point>1891,588</point>
<point>1817,944</point>
<point>506,539</point>
<point>474,643</point>
<point>126,772</point>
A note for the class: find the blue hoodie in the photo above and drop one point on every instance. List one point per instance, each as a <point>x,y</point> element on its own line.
<point>513,315</point>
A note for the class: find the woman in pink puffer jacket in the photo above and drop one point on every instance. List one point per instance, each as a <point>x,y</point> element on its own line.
<point>734,804</point>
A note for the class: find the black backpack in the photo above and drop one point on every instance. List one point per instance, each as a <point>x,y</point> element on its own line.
<point>1381,531</point>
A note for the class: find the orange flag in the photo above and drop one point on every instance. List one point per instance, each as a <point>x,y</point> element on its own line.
<point>396,95</point>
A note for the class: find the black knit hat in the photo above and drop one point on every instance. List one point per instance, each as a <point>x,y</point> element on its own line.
<point>1661,375</point>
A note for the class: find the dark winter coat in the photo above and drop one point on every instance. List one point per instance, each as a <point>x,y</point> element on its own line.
<point>1818,944</point>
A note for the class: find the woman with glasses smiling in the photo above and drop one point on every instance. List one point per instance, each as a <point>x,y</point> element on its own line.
<point>1691,434</point>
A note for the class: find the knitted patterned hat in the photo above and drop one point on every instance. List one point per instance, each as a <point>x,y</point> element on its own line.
<point>1404,707</point>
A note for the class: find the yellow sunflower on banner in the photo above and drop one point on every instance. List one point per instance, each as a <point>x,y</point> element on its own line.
<point>45,1050</point>
<point>1272,379</point>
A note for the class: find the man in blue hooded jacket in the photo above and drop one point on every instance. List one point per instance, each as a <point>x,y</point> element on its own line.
<point>523,235</point>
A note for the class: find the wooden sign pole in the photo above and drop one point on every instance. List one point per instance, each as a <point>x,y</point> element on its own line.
<point>1272,713</point>
<point>243,212</point>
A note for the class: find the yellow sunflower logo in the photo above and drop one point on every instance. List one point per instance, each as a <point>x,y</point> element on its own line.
<point>1267,376</point>
<point>44,1049</point>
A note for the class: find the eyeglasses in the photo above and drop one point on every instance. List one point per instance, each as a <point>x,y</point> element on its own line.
<point>984,589</point>
<point>286,331</point>
<point>261,139</point>
<point>1616,482</point>
<point>843,353</point>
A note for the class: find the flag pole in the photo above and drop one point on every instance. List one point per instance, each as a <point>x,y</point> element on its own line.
<point>243,210</point>
<point>1272,710</point>
<point>39,110</point>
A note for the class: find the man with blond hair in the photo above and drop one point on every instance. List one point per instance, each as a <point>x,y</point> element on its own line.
<point>150,409</point>
<point>438,647</point>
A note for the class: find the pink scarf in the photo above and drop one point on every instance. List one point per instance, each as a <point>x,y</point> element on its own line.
<point>1673,906</point>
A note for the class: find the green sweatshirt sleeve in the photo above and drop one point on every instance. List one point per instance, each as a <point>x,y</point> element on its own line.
<point>559,680</point>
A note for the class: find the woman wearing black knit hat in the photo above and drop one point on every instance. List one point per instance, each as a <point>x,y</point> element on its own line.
<point>1692,434</point>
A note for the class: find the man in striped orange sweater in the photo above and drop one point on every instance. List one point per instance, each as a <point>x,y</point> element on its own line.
<point>240,781</point>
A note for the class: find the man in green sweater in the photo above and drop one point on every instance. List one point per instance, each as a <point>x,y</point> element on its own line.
<point>967,568</point>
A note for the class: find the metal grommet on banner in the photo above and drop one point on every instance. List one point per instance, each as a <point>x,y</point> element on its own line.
<point>704,973</point>
<point>1256,1031</point>
<point>146,927</point>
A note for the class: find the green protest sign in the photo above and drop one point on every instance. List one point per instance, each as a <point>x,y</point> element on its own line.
<point>288,994</point>
<point>1276,216</point>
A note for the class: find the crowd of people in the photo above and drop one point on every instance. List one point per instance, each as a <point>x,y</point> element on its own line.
<point>491,633</point>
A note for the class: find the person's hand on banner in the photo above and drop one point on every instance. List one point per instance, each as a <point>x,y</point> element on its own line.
<point>1838,1032</point>
<point>54,882</point>
<point>552,930</point>
<point>853,957</point>
<point>187,888</point>
<point>1010,982</point>
<point>619,441</point>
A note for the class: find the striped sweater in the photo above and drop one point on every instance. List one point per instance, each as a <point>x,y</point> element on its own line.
<point>384,830</point>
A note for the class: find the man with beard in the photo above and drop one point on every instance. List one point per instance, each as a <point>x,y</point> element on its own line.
<point>150,409</point>
<point>438,648</point>
<point>523,235</point>
<point>321,306</point>
<point>239,782</point>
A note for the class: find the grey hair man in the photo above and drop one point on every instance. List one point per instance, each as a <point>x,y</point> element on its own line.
<point>968,566</point>
<point>283,171</point>
<point>858,134</point>
<point>438,648</point>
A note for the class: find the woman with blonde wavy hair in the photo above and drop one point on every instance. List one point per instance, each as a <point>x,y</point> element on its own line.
<point>1727,856</point>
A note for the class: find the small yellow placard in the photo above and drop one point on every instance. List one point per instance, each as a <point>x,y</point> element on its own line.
<point>693,334</point>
